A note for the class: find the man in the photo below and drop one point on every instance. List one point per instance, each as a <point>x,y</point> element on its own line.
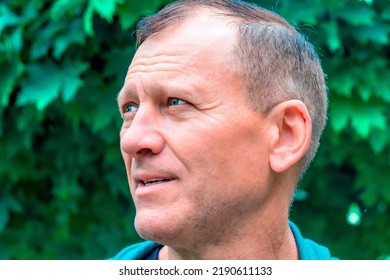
<point>223,106</point>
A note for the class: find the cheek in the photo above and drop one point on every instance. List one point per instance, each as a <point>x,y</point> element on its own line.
<point>234,144</point>
<point>226,154</point>
<point>127,161</point>
<point>122,131</point>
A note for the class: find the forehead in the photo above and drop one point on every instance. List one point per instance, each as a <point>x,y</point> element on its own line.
<point>204,33</point>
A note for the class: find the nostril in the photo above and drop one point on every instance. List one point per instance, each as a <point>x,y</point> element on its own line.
<point>144,151</point>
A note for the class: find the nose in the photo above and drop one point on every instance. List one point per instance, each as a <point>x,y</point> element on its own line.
<point>143,136</point>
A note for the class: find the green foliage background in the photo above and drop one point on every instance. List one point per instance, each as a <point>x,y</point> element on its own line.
<point>63,188</point>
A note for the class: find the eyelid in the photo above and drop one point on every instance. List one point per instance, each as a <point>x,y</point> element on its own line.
<point>182,101</point>
<point>129,104</point>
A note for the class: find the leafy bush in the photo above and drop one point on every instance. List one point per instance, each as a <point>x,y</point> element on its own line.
<point>63,188</point>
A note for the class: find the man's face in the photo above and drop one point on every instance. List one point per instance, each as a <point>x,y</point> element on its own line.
<point>196,153</point>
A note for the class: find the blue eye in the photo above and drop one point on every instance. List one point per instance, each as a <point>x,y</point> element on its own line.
<point>130,108</point>
<point>176,101</point>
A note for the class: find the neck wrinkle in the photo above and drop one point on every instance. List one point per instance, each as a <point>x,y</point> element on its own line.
<point>269,245</point>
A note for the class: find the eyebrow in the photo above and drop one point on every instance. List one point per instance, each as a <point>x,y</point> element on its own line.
<point>117,96</point>
<point>123,92</point>
<point>119,93</point>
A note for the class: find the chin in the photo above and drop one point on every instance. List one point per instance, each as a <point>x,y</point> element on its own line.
<point>156,229</point>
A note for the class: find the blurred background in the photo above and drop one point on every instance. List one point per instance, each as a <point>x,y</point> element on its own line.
<point>63,187</point>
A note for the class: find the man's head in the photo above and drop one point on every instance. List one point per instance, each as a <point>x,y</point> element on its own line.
<point>276,62</point>
<point>212,141</point>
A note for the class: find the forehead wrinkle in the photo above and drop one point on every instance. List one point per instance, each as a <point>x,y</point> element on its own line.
<point>151,59</point>
<point>150,63</point>
<point>163,67</point>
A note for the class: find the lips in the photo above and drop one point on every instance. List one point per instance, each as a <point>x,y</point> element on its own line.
<point>146,180</point>
<point>154,181</point>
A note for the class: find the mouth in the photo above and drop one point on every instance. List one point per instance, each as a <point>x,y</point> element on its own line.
<point>151,182</point>
<point>151,179</point>
<point>147,185</point>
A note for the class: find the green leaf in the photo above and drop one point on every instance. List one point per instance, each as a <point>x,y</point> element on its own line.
<point>118,60</point>
<point>3,217</point>
<point>70,77</point>
<point>66,188</point>
<point>31,11</point>
<point>58,36</point>
<point>343,83</point>
<point>357,15</point>
<point>65,8</point>
<point>130,11</point>
<point>44,38</point>
<point>87,21</point>
<point>331,28</point>
<point>340,112</point>
<point>294,12</point>
<point>378,140</point>
<point>377,34</point>
<point>42,85</point>
<point>385,13</point>
<point>46,81</point>
<point>7,204</point>
<point>382,86</point>
<point>365,92</point>
<point>7,17</point>
<point>100,114</point>
<point>365,119</point>
<point>105,8</point>
<point>11,45</point>
<point>369,2</point>
<point>9,74</point>
<point>72,34</point>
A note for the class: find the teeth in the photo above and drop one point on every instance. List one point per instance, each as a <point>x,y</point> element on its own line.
<point>153,182</point>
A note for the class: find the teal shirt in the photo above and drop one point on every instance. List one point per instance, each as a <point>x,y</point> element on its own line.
<point>307,249</point>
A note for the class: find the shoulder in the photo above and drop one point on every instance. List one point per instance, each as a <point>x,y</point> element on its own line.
<point>136,251</point>
<point>308,249</point>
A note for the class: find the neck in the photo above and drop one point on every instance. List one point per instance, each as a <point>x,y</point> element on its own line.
<point>261,250</point>
<point>261,240</point>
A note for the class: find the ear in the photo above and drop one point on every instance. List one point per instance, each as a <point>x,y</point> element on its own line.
<point>291,133</point>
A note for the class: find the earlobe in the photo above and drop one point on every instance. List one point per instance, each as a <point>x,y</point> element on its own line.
<point>291,136</point>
